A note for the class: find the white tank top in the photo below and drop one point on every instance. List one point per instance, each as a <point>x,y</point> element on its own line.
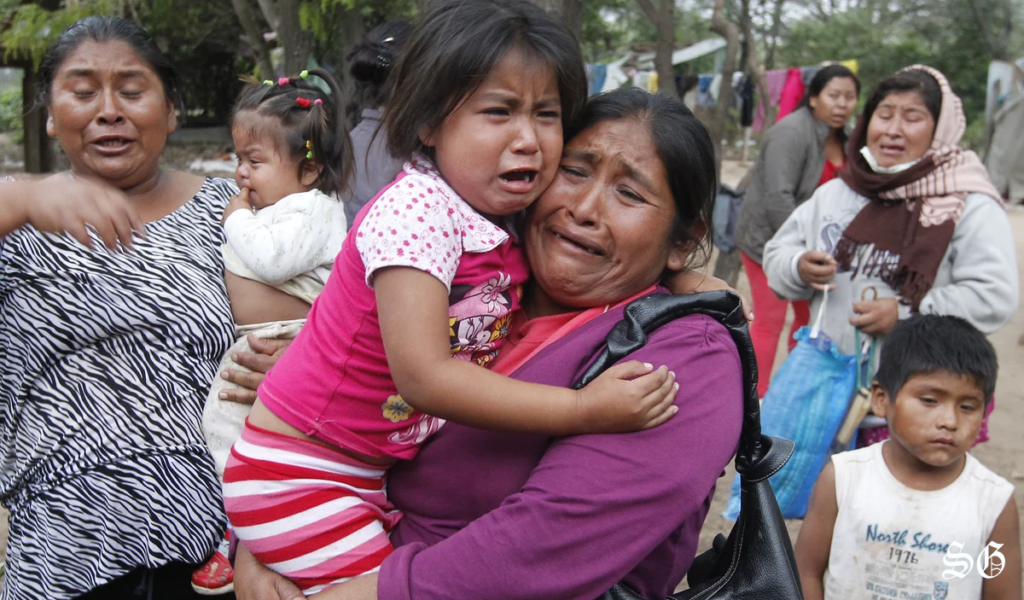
<point>890,541</point>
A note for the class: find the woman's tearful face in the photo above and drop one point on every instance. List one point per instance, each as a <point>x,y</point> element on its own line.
<point>110,113</point>
<point>602,232</point>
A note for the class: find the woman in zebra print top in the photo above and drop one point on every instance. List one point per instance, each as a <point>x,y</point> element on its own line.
<point>107,354</point>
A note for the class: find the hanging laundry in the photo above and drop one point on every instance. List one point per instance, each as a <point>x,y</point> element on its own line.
<point>851,64</point>
<point>716,87</point>
<point>615,77</point>
<point>704,83</point>
<point>792,94</point>
<point>776,80</point>
<point>737,80</point>
<point>597,73</point>
<point>652,83</point>
<point>746,94</point>
<point>808,73</point>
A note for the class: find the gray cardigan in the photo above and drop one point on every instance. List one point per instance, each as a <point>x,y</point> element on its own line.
<point>786,174</point>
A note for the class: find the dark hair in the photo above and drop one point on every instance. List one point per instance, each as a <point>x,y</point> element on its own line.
<point>906,81</point>
<point>453,50</point>
<point>685,149</point>
<point>304,114</point>
<point>928,343</point>
<point>108,29</point>
<point>370,62</point>
<point>821,79</point>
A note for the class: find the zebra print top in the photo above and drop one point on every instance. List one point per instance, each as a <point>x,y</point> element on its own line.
<point>106,359</point>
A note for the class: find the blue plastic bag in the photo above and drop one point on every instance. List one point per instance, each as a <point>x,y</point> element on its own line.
<point>806,402</point>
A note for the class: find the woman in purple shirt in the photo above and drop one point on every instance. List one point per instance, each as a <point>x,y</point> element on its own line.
<point>506,515</point>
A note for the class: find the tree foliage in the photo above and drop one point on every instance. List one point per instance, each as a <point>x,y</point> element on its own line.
<point>886,36</point>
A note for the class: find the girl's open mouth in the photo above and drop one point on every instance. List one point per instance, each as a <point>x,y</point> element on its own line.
<point>519,181</point>
<point>527,175</point>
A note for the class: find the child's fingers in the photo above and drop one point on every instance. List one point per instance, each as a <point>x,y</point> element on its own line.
<point>662,418</point>
<point>660,399</point>
<point>629,370</point>
<point>645,385</point>
<point>665,409</point>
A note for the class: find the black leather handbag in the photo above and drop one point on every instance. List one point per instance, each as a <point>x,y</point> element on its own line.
<point>756,561</point>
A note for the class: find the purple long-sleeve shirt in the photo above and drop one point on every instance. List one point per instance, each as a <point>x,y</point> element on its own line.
<point>505,515</point>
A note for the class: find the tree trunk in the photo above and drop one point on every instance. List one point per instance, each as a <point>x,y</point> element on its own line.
<point>728,30</point>
<point>753,65</point>
<point>776,27</point>
<point>292,38</point>
<point>569,12</point>
<point>254,37</point>
<point>663,18</point>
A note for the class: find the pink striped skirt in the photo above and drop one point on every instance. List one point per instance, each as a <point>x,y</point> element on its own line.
<point>313,514</point>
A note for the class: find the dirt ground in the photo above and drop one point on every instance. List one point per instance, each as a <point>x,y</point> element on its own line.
<point>1004,454</point>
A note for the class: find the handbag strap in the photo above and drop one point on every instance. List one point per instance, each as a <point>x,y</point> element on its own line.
<point>644,315</point>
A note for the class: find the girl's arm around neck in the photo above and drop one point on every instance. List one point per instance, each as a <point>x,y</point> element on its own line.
<point>413,309</point>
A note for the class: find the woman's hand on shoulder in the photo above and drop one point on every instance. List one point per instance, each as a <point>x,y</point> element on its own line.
<point>693,282</point>
<point>66,204</point>
<point>265,355</point>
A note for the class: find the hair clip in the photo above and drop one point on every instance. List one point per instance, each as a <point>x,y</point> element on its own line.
<point>302,102</point>
<point>268,82</point>
<point>283,81</point>
<point>309,147</point>
<point>318,101</point>
<point>303,74</point>
<point>388,39</point>
<point>384,62</point>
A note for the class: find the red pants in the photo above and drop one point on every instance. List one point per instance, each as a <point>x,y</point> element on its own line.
<point>769,319</point>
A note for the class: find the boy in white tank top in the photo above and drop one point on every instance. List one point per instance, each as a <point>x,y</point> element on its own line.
<point>916,517</point>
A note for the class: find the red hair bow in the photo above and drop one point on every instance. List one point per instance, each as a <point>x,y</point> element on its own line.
<point>302,102</point>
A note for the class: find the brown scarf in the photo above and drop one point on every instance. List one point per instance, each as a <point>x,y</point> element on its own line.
<point>906,227</point>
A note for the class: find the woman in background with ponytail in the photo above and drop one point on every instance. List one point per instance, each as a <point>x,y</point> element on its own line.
<point>370,63</point>
<point>283,229</point>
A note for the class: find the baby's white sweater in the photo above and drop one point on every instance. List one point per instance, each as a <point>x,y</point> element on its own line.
<point>290,245</point>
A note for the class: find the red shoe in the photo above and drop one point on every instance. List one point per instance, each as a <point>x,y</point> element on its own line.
<point>216,577</point>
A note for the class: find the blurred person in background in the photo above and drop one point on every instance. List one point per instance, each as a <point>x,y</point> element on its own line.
<point>370,63</point>
<point>798,154</point>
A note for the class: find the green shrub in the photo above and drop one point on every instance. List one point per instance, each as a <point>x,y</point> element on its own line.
<point>11,111</point>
